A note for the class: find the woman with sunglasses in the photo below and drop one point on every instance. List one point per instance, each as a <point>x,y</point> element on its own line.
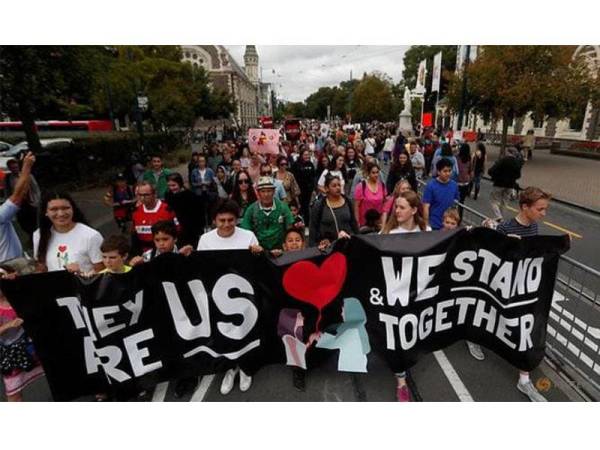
<point>243,191</point>
<point>290,184</point>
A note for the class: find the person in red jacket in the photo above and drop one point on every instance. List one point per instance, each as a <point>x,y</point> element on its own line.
<point>149,211</point>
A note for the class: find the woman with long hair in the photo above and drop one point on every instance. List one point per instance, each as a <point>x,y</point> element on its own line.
<point>369,194</point>
<point>479,167</point>
<point>402,169</point>
<point>243,192</point>
<point>407,218</point>
<point>64,241</point>
<point>388,209</point>
<point>353,165</point>
<point>288,179</point>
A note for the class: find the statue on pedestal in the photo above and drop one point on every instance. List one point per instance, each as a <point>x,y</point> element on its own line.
<point>405,124</point>
<point>407,103</point>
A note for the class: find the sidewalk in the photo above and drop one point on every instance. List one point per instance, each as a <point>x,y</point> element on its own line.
<point>568,178</point>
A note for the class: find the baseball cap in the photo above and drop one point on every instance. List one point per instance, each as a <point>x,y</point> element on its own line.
<point>265,183</point>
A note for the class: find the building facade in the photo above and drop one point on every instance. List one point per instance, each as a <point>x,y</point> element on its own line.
<point>243,84</point>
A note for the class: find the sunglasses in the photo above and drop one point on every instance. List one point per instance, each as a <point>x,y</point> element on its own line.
<point>243,181</point>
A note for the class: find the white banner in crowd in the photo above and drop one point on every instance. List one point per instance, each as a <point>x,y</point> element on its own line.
<point>437,73</point>
<point>420,87</point>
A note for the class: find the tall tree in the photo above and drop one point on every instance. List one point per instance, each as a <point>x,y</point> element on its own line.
<point>372,100</point>
<point>507,82</point>
<point>46,82</point>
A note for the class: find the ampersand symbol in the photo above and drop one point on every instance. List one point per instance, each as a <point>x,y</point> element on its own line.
<point>376,298</point>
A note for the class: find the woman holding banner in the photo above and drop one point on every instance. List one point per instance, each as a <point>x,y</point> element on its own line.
<point>407,218</point>
<point>64,241</point>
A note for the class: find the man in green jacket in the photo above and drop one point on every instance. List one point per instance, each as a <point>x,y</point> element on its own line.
<point>268,217</point>
<point>157,176</point>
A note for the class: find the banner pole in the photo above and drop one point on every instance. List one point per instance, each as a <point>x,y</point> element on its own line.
<point>437,100</point>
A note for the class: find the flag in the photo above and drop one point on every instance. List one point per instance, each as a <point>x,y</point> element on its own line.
<point>420,87</point>
<point>437,73</point>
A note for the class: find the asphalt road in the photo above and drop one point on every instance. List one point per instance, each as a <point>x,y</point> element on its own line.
<point>448,375</point>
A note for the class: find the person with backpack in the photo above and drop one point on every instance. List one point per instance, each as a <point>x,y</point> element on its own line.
<point>504,174</point>
<point>369,194</point>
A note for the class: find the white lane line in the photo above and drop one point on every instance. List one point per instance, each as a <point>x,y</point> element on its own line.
<point>202,388</point>
<point>459,388</point>
<point>160,392</point>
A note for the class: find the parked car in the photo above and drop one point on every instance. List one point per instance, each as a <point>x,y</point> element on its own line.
<point>4,146</point>
<point>17,150</point>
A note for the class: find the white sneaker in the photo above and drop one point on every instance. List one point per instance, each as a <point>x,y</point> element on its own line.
<point>475,351</point>
<point>530,391</point>
<point>228,379</point>
<point>245,381</point>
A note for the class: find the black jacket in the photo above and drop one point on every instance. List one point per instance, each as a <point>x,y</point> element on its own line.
<point>505,172</point>
<point>305,175</point>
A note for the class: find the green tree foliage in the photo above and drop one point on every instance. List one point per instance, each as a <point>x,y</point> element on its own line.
<point>79,82</point>
<point>177,92</point>
<point>372,99</point>
<point>47,82</point>
<point>295,109</point>
<point>507,82</point>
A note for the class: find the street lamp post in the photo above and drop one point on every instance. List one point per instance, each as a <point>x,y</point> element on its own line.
<point>140,107</point>
<point>463,97</point>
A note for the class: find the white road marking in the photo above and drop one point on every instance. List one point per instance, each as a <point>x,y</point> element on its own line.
<point>160,392</point>
<point>459,388</point>
<point>202,388</point>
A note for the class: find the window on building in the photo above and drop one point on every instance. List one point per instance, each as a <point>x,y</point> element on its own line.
<point>187,54</point>
<point>195,56</point>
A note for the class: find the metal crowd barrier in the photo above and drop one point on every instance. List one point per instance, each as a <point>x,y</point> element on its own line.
<point>573,333</point>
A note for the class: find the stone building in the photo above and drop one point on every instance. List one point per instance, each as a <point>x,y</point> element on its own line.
<point>225,73</point>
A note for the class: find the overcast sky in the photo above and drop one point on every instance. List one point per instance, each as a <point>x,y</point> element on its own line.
<point>296,71</point>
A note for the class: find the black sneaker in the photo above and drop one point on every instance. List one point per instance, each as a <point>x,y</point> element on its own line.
<point>299,380</point>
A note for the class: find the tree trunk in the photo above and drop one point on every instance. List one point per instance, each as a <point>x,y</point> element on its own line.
<point>505,122</point>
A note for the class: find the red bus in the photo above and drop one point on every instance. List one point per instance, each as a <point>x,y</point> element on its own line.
<point>61,125</point>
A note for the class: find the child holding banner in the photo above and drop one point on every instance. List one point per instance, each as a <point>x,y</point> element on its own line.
<point>533,204</point>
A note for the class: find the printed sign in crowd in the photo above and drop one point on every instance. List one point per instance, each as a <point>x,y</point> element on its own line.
<point>397,295</point>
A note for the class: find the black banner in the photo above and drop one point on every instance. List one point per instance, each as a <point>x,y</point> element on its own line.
<point>400,295</point>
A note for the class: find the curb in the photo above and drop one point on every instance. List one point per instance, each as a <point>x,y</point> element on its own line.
<point>566,202</point>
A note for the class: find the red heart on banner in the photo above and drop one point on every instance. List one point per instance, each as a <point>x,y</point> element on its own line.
<point>62,248</point>
<point>307,282</point>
